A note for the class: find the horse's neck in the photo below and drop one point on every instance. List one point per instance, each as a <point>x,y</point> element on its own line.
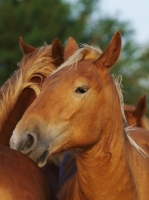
<point>12,116</point>
<point>103,170</point>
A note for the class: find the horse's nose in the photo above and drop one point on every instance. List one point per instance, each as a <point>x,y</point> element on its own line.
<point>25,144</point>
<point>28,143</point>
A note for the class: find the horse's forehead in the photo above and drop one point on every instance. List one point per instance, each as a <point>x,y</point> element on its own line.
<point>82,72</point>
<point>87,64</point>
<point>88,70</point>
<point>82,68</point>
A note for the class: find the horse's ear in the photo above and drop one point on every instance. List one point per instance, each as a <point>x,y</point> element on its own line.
<point>141,107</point>
<point>57,52</point>
<point>70,48</point>
<point>26,48</point>
<point>111,54</point>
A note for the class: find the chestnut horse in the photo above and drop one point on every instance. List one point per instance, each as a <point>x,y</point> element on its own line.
<point>79,110</point>
<point>135,115</point>
<point>20,90</point>
<point>20,177</point>
<point>16,95</point>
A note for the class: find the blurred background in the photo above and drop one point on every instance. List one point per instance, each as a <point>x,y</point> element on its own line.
<point>88,21</point>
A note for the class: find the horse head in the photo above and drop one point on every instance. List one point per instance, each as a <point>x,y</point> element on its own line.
<point>74,104</point>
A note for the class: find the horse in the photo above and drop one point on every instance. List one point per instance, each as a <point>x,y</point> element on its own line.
<point>16,95</point>
<point>80,110</point>
<point>20,177</point>
<point>21,89</point>
<point>136,115</point>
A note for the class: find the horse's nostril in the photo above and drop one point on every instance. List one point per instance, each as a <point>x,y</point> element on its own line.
<point>29,143</point>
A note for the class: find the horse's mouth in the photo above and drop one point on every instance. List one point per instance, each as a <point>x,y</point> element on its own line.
<point>41,161</point>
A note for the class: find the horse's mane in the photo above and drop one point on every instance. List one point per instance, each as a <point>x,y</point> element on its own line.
<point>118,84</point>
<point>32,65</point>
<point>85,53</point>
<point>133,143</point>
<point>145,120</point>
<point>145,125</point>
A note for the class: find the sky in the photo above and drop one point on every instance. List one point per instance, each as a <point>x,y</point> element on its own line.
<point>135,11</point>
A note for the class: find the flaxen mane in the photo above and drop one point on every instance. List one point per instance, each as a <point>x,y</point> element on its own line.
<point>118,81</point>
<point>85,53</point>
<point>32,65</point>
<point>118,84</point>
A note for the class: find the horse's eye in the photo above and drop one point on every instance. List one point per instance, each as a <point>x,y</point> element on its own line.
<point>81,90</point>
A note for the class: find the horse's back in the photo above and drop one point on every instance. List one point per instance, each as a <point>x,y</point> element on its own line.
<point>20,177</point>
<point>141,138</point>
<point>138,154</point>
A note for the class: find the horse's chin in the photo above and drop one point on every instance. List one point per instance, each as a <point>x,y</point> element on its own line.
<point>41,161</point>
<point>42,164</point>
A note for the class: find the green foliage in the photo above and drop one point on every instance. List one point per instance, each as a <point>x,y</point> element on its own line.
<point>37,22</point>
<point>42,21</point>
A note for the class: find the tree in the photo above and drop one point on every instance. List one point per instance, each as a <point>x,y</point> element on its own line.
<point>43,21</point>
<point>37,22</point>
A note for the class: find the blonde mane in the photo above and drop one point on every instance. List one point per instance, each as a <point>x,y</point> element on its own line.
<point>118,84</point>
<point>85,53</point>
<point>32,65</point>
<point>133,143</point>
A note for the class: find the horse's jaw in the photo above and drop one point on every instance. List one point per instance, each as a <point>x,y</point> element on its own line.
<point>39,142</point>
<point>27,143</point>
